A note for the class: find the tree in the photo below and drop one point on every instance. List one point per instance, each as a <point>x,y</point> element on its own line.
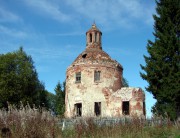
<point>19,80</point>
<point>51,98</point>
<point>162,69</point>
<point>125,82</point>
<point>60,99</point>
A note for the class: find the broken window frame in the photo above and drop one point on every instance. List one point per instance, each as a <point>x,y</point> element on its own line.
<point>125,108</point>
<point>97,108</point>
<point>97,76</point>
<point>78,77</point>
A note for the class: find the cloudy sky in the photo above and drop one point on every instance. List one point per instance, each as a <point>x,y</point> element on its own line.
<point>53,33</point>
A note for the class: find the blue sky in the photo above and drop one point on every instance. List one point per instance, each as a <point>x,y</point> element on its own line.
<point>53,33</point>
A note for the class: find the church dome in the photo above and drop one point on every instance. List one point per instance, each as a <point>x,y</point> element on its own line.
<point>93,54</point>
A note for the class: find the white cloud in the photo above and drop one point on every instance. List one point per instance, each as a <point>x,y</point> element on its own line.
<point>7,16</point>
<point>110,14</point>
<point>113,13</point>
<point>48,8</point>
<point>12,32</point>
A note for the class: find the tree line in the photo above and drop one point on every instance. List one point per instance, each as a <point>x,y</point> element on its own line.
<point>19,84</point>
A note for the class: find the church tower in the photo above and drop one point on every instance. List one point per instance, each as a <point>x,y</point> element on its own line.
<point>93,38</point>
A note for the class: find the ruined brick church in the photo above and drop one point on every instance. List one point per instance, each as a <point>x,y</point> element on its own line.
<point>94,84</point>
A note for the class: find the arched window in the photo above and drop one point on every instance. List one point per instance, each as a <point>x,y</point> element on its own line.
<point>90,37</point>
<point>96,37</point>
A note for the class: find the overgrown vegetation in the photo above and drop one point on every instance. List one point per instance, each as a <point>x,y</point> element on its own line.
<point>26,122</point>
<point>136,128</point>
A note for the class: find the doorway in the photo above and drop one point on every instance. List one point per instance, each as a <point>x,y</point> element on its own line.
<point>125,107</point>
<point>97,108</point>
<point>78,109</point>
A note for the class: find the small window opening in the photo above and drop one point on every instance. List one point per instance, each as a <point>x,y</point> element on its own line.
<point>144,108</point>
<point>78,109</point>
<point>95,37</point>
<point>97,76</point>
<point>84,55</point>
<point>97,108</point>
<point>125,107</point>
<point>90,37</point>
<point>78,77</point>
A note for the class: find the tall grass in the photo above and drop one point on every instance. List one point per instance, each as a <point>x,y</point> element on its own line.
<point>134,128</point>
<point>29,122</point>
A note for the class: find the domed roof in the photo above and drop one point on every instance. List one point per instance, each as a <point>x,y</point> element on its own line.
<point>95,56</point>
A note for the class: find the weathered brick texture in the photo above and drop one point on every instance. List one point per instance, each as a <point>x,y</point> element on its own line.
<point>88,95</point>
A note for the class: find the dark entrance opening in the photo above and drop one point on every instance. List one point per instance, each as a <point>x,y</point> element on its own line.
<point>78,109</point>
<point>97,108</point>
<point>125,107</point>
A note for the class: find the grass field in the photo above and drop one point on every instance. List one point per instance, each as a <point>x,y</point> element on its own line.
<point>39,123</point>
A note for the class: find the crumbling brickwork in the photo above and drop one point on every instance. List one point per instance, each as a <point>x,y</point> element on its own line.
<point>94,84</point>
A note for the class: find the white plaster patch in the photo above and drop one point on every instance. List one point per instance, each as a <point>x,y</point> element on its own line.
<point>126,96</point>
<point>77,98</point>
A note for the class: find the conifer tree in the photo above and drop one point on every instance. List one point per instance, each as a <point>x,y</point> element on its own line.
<point>162,69</point>
<point>60,99</point>
<point>125,82</point>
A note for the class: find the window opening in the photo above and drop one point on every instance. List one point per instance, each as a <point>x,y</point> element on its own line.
<point>78,77</point>
<point>97,108</point>
<point>78,109</point>
<point>95,37</point>
<point>125,107</point>
<point>90,37</point>
<point>84,55</point>
<point>144,108</point>
<point>97,76</point>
